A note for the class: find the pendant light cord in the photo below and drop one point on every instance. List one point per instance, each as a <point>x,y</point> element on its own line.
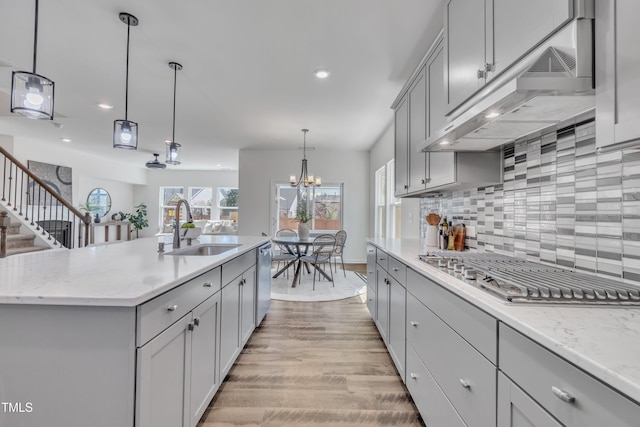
<point>35,39</point>
<point>175,78</point>
<point>126,84</point>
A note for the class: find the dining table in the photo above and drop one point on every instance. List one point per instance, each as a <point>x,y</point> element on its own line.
<point>297,247</point>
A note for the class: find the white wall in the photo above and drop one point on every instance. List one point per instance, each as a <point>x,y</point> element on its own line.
<point>261,169</point>
<point>150,193</point>
<point>381,152</point>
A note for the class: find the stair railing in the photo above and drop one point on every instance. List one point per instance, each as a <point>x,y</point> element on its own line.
<point>36,201</point>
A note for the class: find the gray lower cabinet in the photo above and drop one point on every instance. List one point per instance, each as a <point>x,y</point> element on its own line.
<point>382,303</point>
<point>397,336</point>
<point>371,281</point>
<point>237,316</point>
<point>177,370</point>
<point>517,409</point>
<point>571,396</point>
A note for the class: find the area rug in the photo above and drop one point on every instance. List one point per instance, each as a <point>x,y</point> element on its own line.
<point>354,284</point>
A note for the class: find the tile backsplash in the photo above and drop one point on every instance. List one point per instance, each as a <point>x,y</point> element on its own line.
<point>560,202</point>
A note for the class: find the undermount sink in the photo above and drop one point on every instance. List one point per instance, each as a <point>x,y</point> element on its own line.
<point>205,249</point>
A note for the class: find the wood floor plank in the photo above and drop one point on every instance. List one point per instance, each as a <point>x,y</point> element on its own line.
<point>313,364</point>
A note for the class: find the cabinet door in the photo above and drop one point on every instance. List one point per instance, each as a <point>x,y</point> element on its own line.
<point>617,64</point>
<point>248,312</point>
<point>417,132</point>
<point>465,49</point>
<point>230,318</point>
<point>517,409</point>
<point>401,147</point>
<point>519,25</point>
<point>397,325</point>
<point>442,168</point>
<point>204,356</point>
<point>436,98</point>
<point>382,303</point>
<point>163,378</point>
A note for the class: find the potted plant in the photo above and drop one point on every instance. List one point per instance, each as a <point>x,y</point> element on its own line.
<point>88,208</point>
<point>303,217</point>
<point>138,219</point>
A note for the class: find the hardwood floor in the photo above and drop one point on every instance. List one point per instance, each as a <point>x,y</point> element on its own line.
<point>313,363</point>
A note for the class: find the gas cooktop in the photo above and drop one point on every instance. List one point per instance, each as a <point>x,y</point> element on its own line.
<point>521,281</point>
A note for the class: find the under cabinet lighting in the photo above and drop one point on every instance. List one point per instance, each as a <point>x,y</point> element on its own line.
<point>445,142</point>
<point>492,115</point>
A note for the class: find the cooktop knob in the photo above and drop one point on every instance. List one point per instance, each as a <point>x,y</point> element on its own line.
<point>470,274</point>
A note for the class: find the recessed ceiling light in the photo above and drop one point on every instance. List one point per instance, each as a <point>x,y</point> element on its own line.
<point>105,106</point>
<point>65,140</point>
<point>445,142</point>
<point>492,115</point>
<point>321,73</point>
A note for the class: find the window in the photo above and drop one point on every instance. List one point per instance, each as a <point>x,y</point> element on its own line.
<point>200,200</point>
<point>325,204</point>
<point>388,208</point>
<point>228,203</point>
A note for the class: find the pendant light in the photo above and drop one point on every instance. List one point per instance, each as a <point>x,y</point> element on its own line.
<point>31,93</point>
<point>305,179</point>
<point>155,164</point>
<point>173,148</point>
<point>125,132</point>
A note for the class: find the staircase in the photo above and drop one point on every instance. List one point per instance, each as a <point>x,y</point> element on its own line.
<point>21,243</point>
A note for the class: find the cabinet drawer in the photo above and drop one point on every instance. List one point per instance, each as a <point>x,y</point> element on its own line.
<point>552,381</point>
<point>371,301</point>
<point>161,312</point>
<point>473,324</point>
<point>382,259</point>
<point>398,271</point>
<point>237,266</point>
<point>466,377</point>
<point>433,405</point>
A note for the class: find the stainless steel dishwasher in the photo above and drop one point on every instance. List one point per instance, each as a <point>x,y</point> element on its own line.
<point>263,300</point>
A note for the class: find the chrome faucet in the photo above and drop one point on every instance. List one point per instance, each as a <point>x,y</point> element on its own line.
<point>176,233</point>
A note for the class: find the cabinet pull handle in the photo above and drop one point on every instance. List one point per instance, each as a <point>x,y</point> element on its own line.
<point>465,384</point>
<point>414,323</point>
<point>449,127</point>
<point>207,284</point>
<point>395,270</point>
<point>406,187</point>
<point>172,307</point>
<point>563,395</point>
<point>481,74</point>
<point>413,376</point>
<point>190,326</point>
<point>196,321</point>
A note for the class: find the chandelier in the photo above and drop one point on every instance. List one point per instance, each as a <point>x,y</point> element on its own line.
<point>305,179</point>
<point>125,132</point>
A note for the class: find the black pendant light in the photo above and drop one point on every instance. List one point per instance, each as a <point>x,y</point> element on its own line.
<point>173,148</point>
<point>155,164</point>
<point>305,179</point>
<point>125,132</point>
<point>31,93</point>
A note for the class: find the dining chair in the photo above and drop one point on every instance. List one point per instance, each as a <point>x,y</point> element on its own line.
<point>322,250</point>
<point>341,239</point>
<point>282,254</point>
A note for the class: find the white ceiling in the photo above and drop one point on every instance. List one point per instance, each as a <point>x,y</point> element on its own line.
<point>247,80</point>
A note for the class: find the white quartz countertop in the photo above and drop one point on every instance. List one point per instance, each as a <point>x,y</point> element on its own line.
<point>603,341</point>
<point>122,274</point>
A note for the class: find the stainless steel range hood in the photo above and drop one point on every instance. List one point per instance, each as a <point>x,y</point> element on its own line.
<point>550,85</point>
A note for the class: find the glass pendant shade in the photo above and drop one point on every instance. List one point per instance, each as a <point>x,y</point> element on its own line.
<point>173,153</point>
<point>32,95</point>
<point>125,134</point>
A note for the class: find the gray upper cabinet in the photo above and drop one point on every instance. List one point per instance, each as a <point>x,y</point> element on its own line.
<point>465,49</point>
<point>401,148</point>
<point>484,37</point>
<point>436,107</point>
<point>417,132</point>
<point>617,64</point>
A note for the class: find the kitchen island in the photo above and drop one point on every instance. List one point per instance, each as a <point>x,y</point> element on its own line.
<point>121,335</point>
<point>470,351</point>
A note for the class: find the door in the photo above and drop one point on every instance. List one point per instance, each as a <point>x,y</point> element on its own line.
<point>230,318</point>
<point>204,356</point>
<point>401,146</point>
<point>382,304</point>
<point>397,325</point>
<point>464,50</point>
<point>248,311</point>
<point>517,409</point>
<point>617,64</point>
<point>417,132</point>
<point>163,386</point>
